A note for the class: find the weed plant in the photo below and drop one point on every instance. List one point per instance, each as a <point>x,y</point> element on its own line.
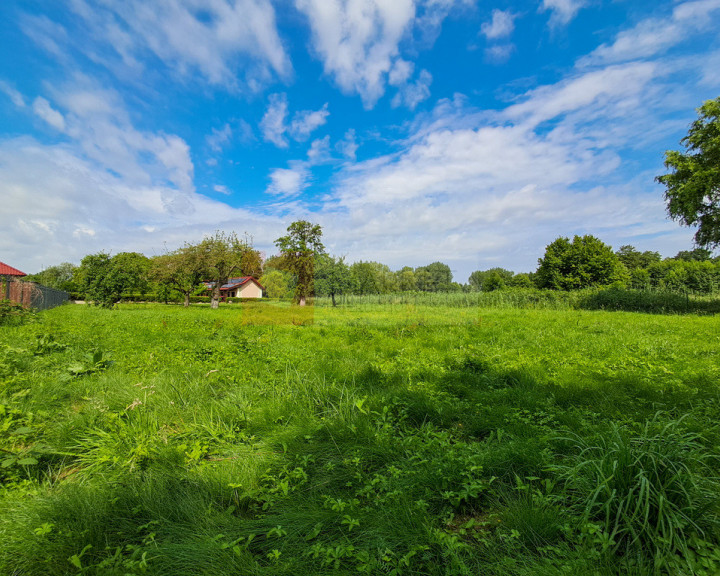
<point>406,439</point>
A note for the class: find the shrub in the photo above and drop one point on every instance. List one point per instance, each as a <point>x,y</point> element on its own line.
<point>651,493</point>
<point>11,313</point>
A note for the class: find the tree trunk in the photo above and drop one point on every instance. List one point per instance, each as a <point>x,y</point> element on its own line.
<point>302,301</point>
<point>187,299</point>
<point>332,295</point>
<point>215,296</point>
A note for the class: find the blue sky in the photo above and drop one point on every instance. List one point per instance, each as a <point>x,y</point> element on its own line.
<point>474,133</point>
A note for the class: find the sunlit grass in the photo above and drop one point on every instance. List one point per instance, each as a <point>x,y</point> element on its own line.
<point>262,438</point>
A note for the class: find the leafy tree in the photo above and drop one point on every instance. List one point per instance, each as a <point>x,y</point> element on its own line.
<point>521,280</point>
<point>277,283</point>
<point>692,188</point>
<point>696,255</point>
<point>582,263</point>
<point>182,270</point>
<point>60,277</point>
<point>104,279</point>
<point>406,279</point>
<point>224,256</point>
<point>488,280</point>
<point>633,258</point>
<point>435,277</point>
<point>332,276</point>
<point>364,279</point>
<point>298,250</point>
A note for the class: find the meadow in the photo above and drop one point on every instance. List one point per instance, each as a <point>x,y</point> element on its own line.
<point>397,438</point>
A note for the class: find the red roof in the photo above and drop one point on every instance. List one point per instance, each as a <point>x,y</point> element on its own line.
<point>6,270</point>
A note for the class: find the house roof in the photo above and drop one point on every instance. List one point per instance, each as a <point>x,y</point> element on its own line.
<point>235,283</point>
<point>6,270</point>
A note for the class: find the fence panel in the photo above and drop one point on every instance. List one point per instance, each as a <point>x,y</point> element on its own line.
<point>31,294</point>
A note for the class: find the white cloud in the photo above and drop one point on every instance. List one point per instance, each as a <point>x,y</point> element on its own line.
<point>307,121</point>
<point>357,40</point>
<point>288,181</point>
<point>501,25</point>
<point>221,189</point>
<point>319,151</point>
<point>499,53</point>
<point>601,88</point>
<point>15,96</point>
<point>411,94</point>
<point>216,39</point>
<point>218,138</point>
<point>653,36</point>
<point>273,122</point>
<point>42,109</point>
<point>348,145</point>
<point>80,207</point>
<point>562,11</point>
<point>274,126</point>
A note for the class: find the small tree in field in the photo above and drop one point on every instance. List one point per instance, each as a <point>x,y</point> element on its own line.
<point>225,256</point>
<point>298,250</point>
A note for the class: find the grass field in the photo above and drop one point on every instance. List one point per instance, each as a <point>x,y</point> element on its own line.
<point>409,440</point>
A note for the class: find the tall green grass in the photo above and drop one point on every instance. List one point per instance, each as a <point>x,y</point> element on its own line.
<point>408,439</point>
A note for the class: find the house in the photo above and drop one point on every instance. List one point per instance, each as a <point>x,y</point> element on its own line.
<point>244,287</point>
<point>6,270</point>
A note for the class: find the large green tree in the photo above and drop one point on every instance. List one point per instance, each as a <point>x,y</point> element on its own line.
<point>225,256</point>
<point>692,188</point>
<point>298,250</point>
<point>435,277</point>
<point>582,263</point>
<point>332,276</point>
<point>182,270</point>
<point>104,280</point>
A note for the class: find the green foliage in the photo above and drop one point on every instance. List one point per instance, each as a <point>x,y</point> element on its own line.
<point>435,277</point>
<point>11,313</point>
<point>224,256</point>
<point>332,276</point>
<point>298,250</point>
<point>104,280</point>
<point>692,188</point>
<point>583,263</point>
<point>633,259</point>
<point>277,283</point>
<point>60,277</point>
<point>648,493</point>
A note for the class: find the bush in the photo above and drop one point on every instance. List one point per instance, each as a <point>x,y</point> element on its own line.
<point>11,313</point>
<point>647,494</point>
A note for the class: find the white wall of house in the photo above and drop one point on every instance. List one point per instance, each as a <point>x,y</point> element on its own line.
<point>249,290</point>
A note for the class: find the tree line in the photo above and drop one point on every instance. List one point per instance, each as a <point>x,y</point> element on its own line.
<point>302,269</point>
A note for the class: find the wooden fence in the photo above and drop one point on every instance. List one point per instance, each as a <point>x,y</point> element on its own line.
<point>31,294</point>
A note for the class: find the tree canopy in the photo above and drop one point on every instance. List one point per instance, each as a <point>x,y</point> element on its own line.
<point>583,263</point>
<point>298,250</point>
<point>692,188</point>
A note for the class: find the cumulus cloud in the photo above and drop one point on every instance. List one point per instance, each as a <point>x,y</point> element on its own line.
<point>562,11</point>
<point>288,181</point>
<point>80,207</point>
<point>501,25</point>
<point>274,126</point>
<point>42,109</point>
<point>305,122</point>
<point>273,122</point>
<point>357,40</point>
<point>219,40</point>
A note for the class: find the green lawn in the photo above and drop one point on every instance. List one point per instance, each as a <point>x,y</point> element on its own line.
<point>270,440</point>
